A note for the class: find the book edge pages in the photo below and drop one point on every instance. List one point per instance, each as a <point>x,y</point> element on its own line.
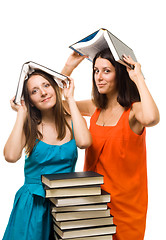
<point>60,202</point>
<point>76,208</point>
<point>73,192</point>
<point>98,237</point>
<point>83,223</point>
<point>81,215</point>
<point>86,232</point>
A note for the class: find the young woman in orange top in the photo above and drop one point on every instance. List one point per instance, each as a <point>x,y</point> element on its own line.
<point>120,109</point>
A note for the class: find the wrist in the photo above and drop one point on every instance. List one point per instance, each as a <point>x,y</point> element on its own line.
<point>68,69</point>
<point>139,78</point>
<point>70,100</point>
<point>22,115</point>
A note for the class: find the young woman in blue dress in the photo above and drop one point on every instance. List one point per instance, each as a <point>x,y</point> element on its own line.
<point>50,137</point>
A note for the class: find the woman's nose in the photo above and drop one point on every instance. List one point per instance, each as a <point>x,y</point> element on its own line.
<point>100,76</point>
<point>43,91</point>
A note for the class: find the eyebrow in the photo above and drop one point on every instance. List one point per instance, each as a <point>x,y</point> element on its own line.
<point>103,67</point>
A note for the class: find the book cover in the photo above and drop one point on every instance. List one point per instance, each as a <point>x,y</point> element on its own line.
<point>100,40</point>
<point>83,200</point>
<point>30,67</point>
<point>83,223</point>
<point>72,179</point>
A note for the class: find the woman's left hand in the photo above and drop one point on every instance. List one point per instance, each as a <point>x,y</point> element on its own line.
<point>135,73</point>
<point>69,92</point>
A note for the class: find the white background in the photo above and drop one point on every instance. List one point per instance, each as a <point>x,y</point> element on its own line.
<point>41,31</point>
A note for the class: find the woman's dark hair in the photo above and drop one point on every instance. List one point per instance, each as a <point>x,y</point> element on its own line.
<point>127,90</point>
<point>34,118</point>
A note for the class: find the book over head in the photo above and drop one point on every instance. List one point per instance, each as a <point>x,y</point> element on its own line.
<point>28,68</point>
<point>72,179</point>
<point>100,40</point>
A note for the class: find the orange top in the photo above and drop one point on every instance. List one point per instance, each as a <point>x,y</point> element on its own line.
<point>120,155</point>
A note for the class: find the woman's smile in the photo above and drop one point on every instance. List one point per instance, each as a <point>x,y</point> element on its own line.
<point>46,99</point>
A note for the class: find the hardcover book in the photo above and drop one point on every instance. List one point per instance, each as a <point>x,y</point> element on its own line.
<point>102,230</point>
<point>100,40</point>
<point>72,179</point>
<point>73,191</point>
<point>30,67</point>
<point>64,216</point>
<point>100,237</point>
<point>83,200</point>
<point>89,207</point>
<point>83,223</point>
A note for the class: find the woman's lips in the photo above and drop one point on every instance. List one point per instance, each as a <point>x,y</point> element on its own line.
<point>46,99</point>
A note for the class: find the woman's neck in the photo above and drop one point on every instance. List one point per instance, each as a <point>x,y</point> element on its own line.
<point>48,116</point>
<point>112,100</point>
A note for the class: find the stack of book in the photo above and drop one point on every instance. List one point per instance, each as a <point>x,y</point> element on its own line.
<point>79,206</point>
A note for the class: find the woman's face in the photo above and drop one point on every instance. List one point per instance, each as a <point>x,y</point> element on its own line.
<point>105,76</point>
<point>42,94</point>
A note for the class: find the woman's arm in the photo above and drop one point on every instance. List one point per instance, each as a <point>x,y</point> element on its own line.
<point>86,107</point>
<point>72,62</point>
<point>81,132</point>
<point>146,111</point>
<point>16,141</point>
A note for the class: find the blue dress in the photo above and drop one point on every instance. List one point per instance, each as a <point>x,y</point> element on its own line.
<point>30,218</point>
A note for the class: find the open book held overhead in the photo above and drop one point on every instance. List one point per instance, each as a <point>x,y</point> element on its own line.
<point>30,67</point>
<point>100,40</point>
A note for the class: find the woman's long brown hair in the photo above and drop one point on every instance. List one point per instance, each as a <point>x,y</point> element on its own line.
<point>127,90</point>
<point>34,118</point>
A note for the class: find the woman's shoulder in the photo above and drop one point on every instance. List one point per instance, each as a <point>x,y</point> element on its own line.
<point>86,107</point>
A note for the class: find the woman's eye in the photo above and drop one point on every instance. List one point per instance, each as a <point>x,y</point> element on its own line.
<point>96,70</point>
<point>107,70</point>
<point>46,85</point>
<point>34,91</point>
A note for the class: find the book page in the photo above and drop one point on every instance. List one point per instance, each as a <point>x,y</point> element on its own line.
<point>92,49</point>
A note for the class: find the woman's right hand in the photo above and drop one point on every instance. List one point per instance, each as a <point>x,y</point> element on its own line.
<point>72,62</point>
<point>19,108</point>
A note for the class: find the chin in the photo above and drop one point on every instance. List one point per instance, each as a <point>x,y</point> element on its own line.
<point>102,91</point>
<point>47,106</point>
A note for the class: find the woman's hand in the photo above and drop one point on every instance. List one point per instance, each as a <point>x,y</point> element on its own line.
<point>21,109</point>
<point>135,73</point>
<point>68,93</point>
<point>72,62</point>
